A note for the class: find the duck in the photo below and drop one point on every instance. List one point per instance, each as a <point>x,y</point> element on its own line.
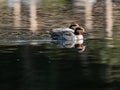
<point>73,32</point>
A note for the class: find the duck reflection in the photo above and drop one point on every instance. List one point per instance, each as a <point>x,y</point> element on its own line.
<point>77,44</point>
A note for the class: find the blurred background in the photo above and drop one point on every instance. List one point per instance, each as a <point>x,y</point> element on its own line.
<point>26,65</point>
<point>98,17</point>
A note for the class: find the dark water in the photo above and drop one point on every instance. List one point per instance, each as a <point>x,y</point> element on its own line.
<point>30,60</point>
<point>46,66</point>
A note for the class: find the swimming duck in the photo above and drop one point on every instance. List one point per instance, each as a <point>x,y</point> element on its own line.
<point>74,32</point>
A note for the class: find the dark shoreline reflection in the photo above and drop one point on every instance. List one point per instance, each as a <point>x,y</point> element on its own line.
<point>47,67</point>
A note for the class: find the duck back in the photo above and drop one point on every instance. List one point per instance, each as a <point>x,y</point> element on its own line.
<point>64,34</point>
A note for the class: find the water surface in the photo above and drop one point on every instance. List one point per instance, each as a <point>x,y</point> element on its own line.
<point>30,60</point>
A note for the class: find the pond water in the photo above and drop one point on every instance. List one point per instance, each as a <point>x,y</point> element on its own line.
<point>45,65</point>
<point>30,60</point>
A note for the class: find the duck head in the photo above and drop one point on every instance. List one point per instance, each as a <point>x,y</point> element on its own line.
<point>73,25</point>
<point>78,31</point>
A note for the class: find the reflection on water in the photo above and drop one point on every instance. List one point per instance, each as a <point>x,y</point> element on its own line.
<point>17,13</point>
<point>43,15</point>
<point>33,15</point>
<point>30,60</point>
<point>78,44</point>
<point>46,66</point>
<point>109,16</point>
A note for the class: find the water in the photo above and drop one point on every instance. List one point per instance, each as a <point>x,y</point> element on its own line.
<point>30,60</point>
<point>49,65</point>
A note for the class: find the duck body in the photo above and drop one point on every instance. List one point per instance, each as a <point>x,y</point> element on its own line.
<point>64,34</point>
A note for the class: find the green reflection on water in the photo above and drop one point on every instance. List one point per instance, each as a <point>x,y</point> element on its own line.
<point>44,65</point>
